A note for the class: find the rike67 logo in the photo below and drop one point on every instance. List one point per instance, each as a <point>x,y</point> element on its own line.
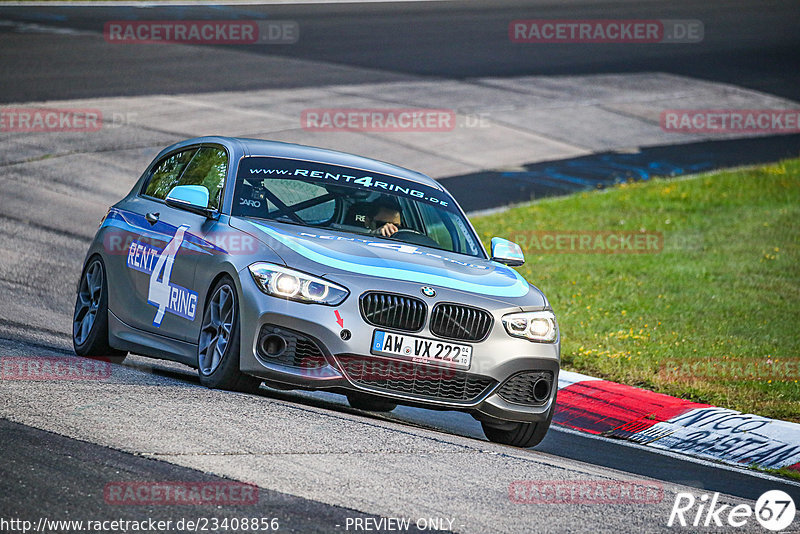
<point>774,510</point>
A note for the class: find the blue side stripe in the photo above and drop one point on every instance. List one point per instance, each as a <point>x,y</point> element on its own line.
<point>133,222</point>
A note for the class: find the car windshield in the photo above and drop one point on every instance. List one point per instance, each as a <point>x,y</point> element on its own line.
<point>351,200</point>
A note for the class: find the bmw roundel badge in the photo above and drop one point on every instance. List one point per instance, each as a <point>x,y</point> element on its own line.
<point>428,291</point>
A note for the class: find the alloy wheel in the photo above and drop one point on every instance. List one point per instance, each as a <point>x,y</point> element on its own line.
<point>215,332</point>
<point>89,294</point>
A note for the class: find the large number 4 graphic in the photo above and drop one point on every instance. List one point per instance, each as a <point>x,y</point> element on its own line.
<point>160,290</point>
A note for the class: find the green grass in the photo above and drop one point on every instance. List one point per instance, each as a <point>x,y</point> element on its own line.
<point>782,472</point>
<point>725,289</point>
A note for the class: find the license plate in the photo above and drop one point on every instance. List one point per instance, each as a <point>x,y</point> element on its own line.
<point>420,349</point>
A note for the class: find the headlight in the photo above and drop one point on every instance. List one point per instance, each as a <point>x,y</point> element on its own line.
<point>537,326</point>
<point>293,285</point>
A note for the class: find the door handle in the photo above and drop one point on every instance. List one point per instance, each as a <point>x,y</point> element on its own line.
<point>152,218</point>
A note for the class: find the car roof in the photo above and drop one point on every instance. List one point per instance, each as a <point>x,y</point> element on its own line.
<point>243,147</point>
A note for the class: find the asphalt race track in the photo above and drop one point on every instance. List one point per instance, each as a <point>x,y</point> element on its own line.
<point>750,43</point>
<point>316,464</point>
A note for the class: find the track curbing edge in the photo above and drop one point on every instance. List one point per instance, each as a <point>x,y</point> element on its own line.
<point>600,407</point>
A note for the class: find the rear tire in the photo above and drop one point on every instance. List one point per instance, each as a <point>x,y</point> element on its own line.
<point>90,318</point>
<point>516,434</point>
<point>219,342</point>
<point>370,403</point>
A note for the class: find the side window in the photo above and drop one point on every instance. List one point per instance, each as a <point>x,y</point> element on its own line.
<point>437,229</point>
<point>208,168</point>
<point>166,174</point>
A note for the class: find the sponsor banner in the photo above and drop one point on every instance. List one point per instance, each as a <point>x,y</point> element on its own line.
<point>261,169</point>
<point>615,410</point>
<point>601,31</point>
<point>726,435</point>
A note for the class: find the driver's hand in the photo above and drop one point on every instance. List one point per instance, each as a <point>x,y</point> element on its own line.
<point>388,230</point>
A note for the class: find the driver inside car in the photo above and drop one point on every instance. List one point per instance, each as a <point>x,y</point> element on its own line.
<point>383,217</point>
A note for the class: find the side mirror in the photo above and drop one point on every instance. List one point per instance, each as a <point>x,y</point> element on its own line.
<point>507,252</point>
<point>192,198</point>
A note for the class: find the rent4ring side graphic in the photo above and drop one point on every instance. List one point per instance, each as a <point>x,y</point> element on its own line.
<point>157,263</point>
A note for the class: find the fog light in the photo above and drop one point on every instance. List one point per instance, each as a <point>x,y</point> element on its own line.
<point>272,345</point>
<point>540,390</point>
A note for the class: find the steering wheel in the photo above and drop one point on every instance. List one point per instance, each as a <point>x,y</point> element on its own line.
<point>412,236</point>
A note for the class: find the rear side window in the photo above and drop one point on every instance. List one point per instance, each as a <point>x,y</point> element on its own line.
<point>206,166</point>
<point>166,174</point>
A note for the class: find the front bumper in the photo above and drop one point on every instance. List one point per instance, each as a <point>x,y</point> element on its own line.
<point>344,358</point>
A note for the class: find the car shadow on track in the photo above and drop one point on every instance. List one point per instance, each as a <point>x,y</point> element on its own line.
<point>559,442</point>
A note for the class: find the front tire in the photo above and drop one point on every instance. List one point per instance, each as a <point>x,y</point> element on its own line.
<point>90,318</point>
<point>523,435</point>
<point>219,343</point>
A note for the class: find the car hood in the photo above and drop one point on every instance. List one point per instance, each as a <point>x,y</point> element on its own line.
<point>328,252</point>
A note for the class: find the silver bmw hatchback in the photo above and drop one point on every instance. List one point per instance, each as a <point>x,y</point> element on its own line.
<point>302,268</point>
